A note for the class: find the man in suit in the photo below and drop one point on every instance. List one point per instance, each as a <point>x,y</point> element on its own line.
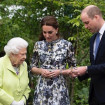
<point>92,18</point>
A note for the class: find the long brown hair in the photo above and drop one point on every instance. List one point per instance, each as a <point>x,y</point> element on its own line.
<point>49,21</point>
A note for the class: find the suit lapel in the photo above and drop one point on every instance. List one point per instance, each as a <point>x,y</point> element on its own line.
<point>92,47</point>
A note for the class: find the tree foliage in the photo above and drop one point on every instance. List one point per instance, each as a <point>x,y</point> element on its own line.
<point>25,23</point>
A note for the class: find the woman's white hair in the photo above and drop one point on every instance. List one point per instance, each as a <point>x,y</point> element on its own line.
<point>14,45</point>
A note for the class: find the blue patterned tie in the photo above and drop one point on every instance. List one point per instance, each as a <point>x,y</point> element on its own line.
<point>97,43</point>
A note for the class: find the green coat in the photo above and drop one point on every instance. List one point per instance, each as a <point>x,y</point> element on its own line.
<point>13,86</point>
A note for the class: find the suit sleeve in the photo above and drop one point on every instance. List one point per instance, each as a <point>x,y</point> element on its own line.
<point>96,69</point>
<point>83,77</point>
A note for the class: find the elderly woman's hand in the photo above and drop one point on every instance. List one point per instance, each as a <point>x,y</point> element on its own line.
<point>21,102</point>
<point>14,103</point>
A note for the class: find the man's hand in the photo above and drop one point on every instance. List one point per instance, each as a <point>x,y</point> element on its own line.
<point>78,71</point>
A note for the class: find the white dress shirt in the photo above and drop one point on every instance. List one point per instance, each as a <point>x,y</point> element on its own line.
<point>101,31</point>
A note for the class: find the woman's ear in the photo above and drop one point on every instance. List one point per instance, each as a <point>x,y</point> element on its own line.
<point>56,30</point>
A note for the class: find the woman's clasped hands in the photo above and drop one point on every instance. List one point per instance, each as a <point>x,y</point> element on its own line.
<point>50,73</point>
<point>54,73</point>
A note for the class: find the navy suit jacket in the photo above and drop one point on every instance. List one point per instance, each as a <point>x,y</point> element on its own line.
<point>96,71</point>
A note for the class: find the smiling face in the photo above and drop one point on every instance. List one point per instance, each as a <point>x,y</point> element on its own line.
<point>49,33</point>
<point>19,58</point>
<point>90,23</point>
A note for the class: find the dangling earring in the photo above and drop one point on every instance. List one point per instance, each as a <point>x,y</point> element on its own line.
<point>56,33</point>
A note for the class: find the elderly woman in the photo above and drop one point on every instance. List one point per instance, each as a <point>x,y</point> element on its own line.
<point>14,89</point>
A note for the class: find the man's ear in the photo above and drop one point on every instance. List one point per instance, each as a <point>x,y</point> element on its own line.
<point>96,17</point>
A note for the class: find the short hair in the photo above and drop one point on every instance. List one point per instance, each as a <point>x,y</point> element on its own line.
<point>14,45</point>
<point>92,10</point>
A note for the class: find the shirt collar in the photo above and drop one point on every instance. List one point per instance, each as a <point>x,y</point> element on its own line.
<point>101,31</point>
